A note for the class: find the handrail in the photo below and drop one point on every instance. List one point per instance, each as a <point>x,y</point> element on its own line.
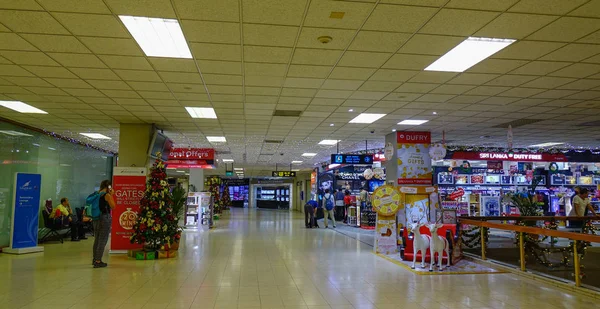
<point>530,218</point>
<point>481,222</point>
<point>533,230</point>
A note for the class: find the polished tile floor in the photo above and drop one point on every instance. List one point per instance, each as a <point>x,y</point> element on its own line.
<point>258,259</point>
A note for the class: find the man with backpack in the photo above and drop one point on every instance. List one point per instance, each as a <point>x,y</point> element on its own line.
<point>101,204</point>
<point>328,206</point>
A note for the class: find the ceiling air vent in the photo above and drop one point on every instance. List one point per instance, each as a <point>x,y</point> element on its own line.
<point>273,141</point>
<point>517,123</point>
<point>590,124</point>
<point>286,113</point>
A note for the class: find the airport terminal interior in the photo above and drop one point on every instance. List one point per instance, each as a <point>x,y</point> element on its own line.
<point>299,154</point>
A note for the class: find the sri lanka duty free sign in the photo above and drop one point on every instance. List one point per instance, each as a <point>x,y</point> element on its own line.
<point>414,162</point>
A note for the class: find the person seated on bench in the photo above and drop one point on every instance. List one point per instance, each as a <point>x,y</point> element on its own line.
<point>77,231</point>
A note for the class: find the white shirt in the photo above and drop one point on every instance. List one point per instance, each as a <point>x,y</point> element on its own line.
<point>580,204</point>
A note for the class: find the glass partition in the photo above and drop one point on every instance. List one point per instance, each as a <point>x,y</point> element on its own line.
<point>68,169</point>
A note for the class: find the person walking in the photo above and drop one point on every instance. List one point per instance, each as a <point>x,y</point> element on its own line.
<point>102,224</point>
<point>309,214</point>
<point>328,206</point>
<point>581,206</point>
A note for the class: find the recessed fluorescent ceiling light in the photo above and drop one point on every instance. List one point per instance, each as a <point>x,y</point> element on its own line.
<point>228,160</point>
<point>309,154</point>
<point>21,107</point>
<point>14,133</point>
<point>546,144</point>
<point>158,37</point>
<point>180,171</point>
<point>366,118</point>
<point>412,122</point>
<point>216,139</point>
<point>468,53</point>
<point>297,162</point>
<point>95,135</point>
<point>238,168</point>
<point>201,112</point>
<point>328,142</point>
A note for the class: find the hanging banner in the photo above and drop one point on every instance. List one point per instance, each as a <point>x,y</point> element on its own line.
<point>191,158</point>
<point>414,161</point>
<point>25,215</point>
<point>129,184</point>
<point>510,156</point>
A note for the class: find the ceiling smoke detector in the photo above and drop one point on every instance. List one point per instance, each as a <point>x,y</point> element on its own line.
<point>325,39</point>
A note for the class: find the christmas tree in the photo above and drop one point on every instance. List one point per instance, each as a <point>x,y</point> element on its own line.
<point>156,223</point>
<point>225,198</point>
<point>214,183</point>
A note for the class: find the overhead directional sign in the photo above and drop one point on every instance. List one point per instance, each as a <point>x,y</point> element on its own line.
<point>351,159</point>
<point>283,174</point>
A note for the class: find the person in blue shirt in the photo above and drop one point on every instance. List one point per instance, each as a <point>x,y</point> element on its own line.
<point>309,213</point>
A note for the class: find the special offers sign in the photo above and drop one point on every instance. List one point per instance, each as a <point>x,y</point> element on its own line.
<point>414,162</point>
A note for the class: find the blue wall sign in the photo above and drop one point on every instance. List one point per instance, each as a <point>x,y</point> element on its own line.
<point>26,208</point>
<point>351,159</point>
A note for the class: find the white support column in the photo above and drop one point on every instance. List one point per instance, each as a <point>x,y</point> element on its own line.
<point>197,178</point>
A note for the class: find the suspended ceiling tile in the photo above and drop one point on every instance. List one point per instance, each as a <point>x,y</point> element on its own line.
<point>31,22</point>
<point>451,22</point>
<point>149,8</point>
<point>514,26</point>
<point>267,54</point>
<point>551,7</point>
<point>12,41</point>
<point>497,5</point>
<point>93,25</point>
<point>566,29</point>
<point>112,46</point>
<point>378,41</point>
<point>410,62</point>
<point>211,32</point>
<point>272,12</point>
<point>316,56</point>
<point>398,18</point>
<point>528,50</point>
<point>311,71</point>
<point>539,67</point>
<point>28,58</point>
<point>500,66</point>
<point>354,14</point>
<point>269,35</point>
<point>213,66</point>
<point>573,52</point>
<point>210,51</point>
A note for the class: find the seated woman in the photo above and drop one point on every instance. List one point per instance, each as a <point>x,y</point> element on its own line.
<point>64,209</point>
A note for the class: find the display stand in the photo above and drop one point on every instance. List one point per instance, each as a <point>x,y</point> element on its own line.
<point>386,202</point>
<point>352,218</point>
<point>199,210</point>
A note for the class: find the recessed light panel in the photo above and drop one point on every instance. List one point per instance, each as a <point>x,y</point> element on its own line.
<point>14,133</point>
<point>216,139</point>
<point>412,122</point>
<point>227,160</point>
<point>297,162</point>
<point>328,142</point>
<point>22,107</point>
<point>309,154</point>
<point>546,144</point>
<point>202,112</point>
<point>95,135</point>
<point>468,53</point>
<point>158,37</point>
<point>367,118</point>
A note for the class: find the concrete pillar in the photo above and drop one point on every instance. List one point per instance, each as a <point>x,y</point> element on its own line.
<point>197,178</point>
<point>391,165</point>
<point>134,140</point>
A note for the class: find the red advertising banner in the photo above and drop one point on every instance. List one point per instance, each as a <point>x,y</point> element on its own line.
<point>129,184</point>
<point>191,157</point>
<point>506,156</point>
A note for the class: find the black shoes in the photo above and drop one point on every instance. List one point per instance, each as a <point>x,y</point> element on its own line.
<point>83,238</point>
<point>74,239</point>
<point>99,264</point>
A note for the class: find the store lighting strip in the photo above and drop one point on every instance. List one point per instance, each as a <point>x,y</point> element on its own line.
<point>202,112</point>
<point>95,135</point>
<point>366,118</point>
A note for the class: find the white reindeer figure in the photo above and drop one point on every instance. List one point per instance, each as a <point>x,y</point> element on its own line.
<point>420,243</point>
<point>438,245</point>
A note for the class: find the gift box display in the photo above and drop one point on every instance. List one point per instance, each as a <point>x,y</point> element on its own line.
<point>167,254</point>
<point>145,255</point>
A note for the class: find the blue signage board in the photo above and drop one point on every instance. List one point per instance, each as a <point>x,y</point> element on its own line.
<point>351,159</point>
<point>26,208</point>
